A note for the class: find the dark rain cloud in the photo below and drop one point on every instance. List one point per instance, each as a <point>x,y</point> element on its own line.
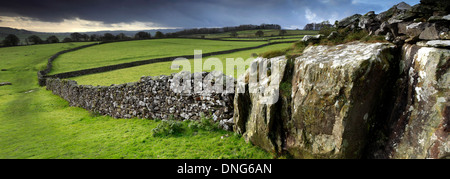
<point>188,13</point>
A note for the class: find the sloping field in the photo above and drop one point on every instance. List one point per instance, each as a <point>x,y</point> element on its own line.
<point>37,124</point>
<point>133,74</point>
<point>123,52</point>
<point>272,39</point>
<point>251,33</point>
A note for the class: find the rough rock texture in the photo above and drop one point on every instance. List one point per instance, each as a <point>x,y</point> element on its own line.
<point>421,127</point>
<point>425,21</point>
<point>5,83</point>
<point>151,97</point>
<point>333,35</point>
<point>363,100</point>
<point>311,38</point>
<point>351,21</point>
<point>256,120</point>
<point>439,43</point>
<point>369,22</point>
<point>318,26</point>
<point>351,101</point>
<point>329,109</point>
<point>335,91</point>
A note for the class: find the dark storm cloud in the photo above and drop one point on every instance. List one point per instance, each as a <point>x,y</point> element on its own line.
<point>185,13</point>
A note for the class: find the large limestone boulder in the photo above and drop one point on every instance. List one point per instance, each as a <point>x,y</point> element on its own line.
<point>422,127</point>
<point>256,105</point>
<point>335,92</point>
<point>369,22</point>
<point>395,11</point>
<point>326,103</point>
<point>351,21</point>
<point>351,101</point>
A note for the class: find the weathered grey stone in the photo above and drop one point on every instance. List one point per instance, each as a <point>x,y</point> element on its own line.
<point>398,13</point>
<point>394,21</point>
<point>430,33</point>
<point>333,95</point>
<point>439,18</point>
<point>402,27</point>
<point>254,118</point>
<point>447,17</point>
<point>383,29</point>
<point>403,6</point>
<point>5,83</point>
<point>389,37</point>
<point>227,124</point>
<point>335,90</point>
<point>311,38</point>
<point>439,43</point>
<point>444,35</point>
<point>333,35</point>
<point>369,22</point>
<point>349,21</point>
<point>422,129</point>
<point>415,29</point>
<point>151,97</point>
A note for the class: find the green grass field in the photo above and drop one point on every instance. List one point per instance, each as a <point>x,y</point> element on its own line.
<point>271,39</point>
<point>122,52</point>
<point>37,124</point>
<point>251,34</point>
<point>135,73</point>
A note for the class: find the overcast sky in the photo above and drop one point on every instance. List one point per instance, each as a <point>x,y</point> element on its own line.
<point>96,15</point>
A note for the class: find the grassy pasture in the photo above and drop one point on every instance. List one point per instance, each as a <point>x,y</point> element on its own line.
<point>133,74</point>
<point>271,39</point>
<point>122,52</point>
<point>251,34</point>
<point>37,124</point>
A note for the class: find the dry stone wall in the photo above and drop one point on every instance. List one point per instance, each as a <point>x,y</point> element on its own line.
<point>151,97</point>
<point>42,75</point>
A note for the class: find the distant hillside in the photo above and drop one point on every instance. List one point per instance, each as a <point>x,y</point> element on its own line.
<point>24,34</point>
<point>132,33</point>
<point>6,30</point>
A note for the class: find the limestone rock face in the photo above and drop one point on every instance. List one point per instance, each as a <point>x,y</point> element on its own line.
<point>350,21</point>
<point>335,90</point>
<point>254,118</point>
<point>439,43</point>
<point>327,100</point>
<point>422,128</point>
<point>426,21</point>
<point>369,22</point>
<point>310,38</point>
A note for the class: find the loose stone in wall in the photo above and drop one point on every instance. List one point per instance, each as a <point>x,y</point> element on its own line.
<point>152,97</point>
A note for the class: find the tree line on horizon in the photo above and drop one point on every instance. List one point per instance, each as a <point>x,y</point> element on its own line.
<point>13,40</point>
<point>232,29</point>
